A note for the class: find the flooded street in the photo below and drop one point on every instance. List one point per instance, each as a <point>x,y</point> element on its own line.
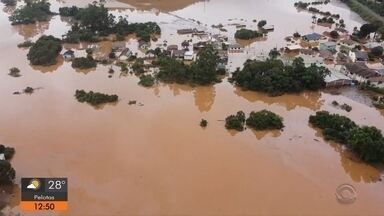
<point>155,159</point>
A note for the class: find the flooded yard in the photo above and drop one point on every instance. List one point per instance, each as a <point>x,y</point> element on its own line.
<point>155,159</point>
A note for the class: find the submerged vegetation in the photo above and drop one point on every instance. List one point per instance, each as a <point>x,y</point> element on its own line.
<point>247,34</point>
<point>94,22</point>
<point>202,72</point>
<point>366,142</point>
<point>14,72</point>
<point>84,63</point>
<point>203,123</point>
<point>33,11</point>
<point>147,80</point>
<point>95,98</point>
<point>45,51</point>
<point>264,120</point>
<point>235,122</point>
<point>25,44</point>
<point>7,173</point>
<point>275,78</point>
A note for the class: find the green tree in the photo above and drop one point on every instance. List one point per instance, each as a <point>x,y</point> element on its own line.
<point>247,34</point>
<point>367,143</point>
<point>264,120</point>
<point>204,68</point>
<point>235,122</point>
<point>261,23</point>
<point>335,127</point>
<point>377,51</point>
<point>45,51</point>
<point>33,11</point>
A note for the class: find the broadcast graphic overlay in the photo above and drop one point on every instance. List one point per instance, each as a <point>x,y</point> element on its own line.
<point>44,194</point>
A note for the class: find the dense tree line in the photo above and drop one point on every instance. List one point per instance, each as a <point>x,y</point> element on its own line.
<point>95,21</point>
<point>247,34</point>
<point>95,98</point>
<point>32,12</point>
<point>275,78</point>
<point>45,51</point>
<point>7,173</point>
<point>202,72</point>
<point>365,142</point>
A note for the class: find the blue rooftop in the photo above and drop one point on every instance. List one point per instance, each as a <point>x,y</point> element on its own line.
<point>312,36</point>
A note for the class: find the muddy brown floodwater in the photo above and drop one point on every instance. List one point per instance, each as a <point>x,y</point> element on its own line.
<point>155,159</point>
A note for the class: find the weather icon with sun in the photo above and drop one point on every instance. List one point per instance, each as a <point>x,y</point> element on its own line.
<point>34,184</point>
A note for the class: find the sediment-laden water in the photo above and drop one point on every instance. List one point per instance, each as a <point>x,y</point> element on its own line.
<point>155,159</point>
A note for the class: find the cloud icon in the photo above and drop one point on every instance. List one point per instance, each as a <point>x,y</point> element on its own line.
<point>34,184</point>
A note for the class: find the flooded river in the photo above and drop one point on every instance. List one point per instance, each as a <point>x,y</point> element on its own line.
<point>155,159</point>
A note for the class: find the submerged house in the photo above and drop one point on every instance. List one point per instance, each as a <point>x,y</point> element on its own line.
<point>179,54</point>
<point>172,47</point>
<point>337,78</point>
<point>69,55</point>
<point>144,45</point>
<point>293,48</point>
<point>377,81</point>
<point>312,37</point>
<point>118,46</point>
<point>358,55</point>
<point>125,54</point>
<point>235,48</point>
<point>199,45</point>
<point>326,55</point>
<point>359,71</point>
<point>331,46</point>
<point>186,31</point>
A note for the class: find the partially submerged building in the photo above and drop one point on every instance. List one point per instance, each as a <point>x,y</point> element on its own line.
<point>336,78</point>
<point>377,81</point>
<point>118,46</point>
<point>69,55</point>
<point>359,71</point>
<point>329,45</point>
<point>358,55</point>
<point>235,48</point>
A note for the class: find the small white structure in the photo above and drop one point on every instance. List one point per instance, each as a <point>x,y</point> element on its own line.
<point>294,47</point>
<point>2,156</point>
<point>188,56</point>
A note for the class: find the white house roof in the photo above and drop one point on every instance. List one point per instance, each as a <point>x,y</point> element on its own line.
<point>188,53</point>
<point>294,47</point>
<point>335,74</point>
<point>2,156</point>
